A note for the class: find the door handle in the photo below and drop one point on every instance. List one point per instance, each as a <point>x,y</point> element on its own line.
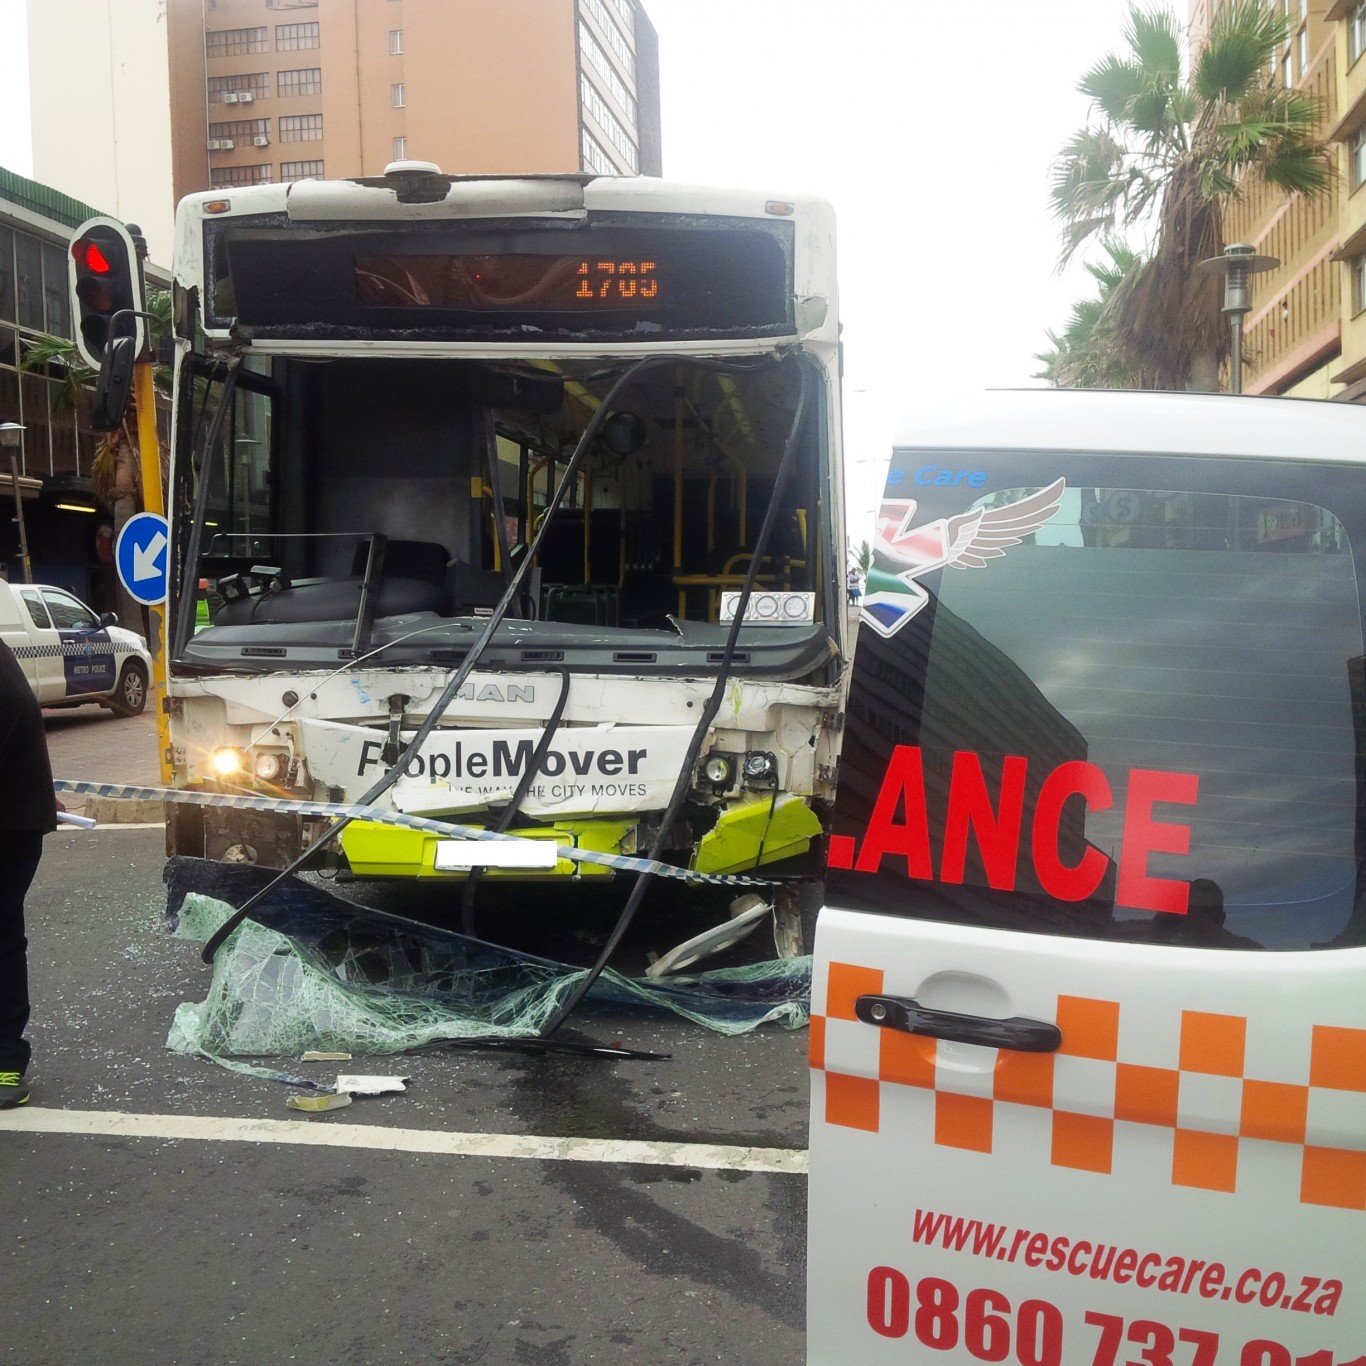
<point>900,1012</point>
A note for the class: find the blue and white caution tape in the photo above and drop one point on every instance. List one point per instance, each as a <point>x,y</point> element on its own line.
<point>384,816</point>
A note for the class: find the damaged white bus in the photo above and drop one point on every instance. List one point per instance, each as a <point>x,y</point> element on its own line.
<point>541,473</point>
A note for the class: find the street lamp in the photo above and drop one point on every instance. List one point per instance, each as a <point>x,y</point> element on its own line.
<point>12,443</point>
<point>1237,265</point>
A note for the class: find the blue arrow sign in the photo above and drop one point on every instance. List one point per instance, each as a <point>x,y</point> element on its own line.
<point>142,557</point>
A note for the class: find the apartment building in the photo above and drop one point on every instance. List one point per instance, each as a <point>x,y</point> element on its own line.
<point>277,90</point>
<point>1306,334</point>
<point>186,95</point>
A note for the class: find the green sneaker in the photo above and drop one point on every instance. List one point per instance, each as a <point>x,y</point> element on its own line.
<point>13,1092</point>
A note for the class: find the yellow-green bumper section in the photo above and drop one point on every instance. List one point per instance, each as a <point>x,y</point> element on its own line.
<point>390,851</point>
<point>756,832</point>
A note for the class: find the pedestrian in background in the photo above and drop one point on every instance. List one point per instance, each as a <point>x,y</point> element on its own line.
<point>854,583</point>
<point>28,810</point>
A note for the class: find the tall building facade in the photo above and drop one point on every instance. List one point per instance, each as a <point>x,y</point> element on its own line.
<point>1306,333</point>
<point>277,90</point>
<point>186,95</point>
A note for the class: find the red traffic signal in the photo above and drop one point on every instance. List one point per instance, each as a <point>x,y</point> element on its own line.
<point>106,290</point>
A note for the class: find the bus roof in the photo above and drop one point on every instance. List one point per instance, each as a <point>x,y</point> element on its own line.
<point>1142,421</point>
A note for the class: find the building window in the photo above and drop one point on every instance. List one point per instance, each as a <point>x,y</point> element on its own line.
<point>608,122</point>
<point>224,177</point>
<point>239,89</point>
<point>1356,31</point>
<point>395,42</point>
<point>301,128</point>
<point>307,80</point>
<point>595,156</point>
<point>615,38</point>
<point>292,37</point>
<point>628,14</point>
<point>1357,153</point>
<point>239,133</point>
<point>597,58</point>
<point>231,42</point>
<point>396,97</point>
<point>299,170</point>
<point>400,149</point>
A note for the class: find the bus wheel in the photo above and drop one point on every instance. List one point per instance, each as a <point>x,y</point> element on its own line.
<point>130,697</point>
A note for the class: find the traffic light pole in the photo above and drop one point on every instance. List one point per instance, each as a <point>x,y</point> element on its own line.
<point>153,500</point>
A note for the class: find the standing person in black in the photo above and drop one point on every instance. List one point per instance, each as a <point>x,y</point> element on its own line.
<point>28,810</point>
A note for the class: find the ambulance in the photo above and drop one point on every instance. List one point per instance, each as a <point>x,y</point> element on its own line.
<point>1088,1036</point>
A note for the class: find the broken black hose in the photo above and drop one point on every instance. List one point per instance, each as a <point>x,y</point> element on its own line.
<point>713,705</point>
<point>512,809</point>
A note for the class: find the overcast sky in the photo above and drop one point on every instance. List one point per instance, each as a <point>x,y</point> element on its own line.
<point>930,124</point>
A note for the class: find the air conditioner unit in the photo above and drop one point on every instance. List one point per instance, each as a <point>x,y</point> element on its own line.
<point>215,145</point>
<point>245,97</point>
<point>226,144</point>
<point>230,97</point>
<point>260,141</point>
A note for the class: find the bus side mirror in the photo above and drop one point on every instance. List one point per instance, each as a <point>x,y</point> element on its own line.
<point>114,385</point>
<point>109,618</point>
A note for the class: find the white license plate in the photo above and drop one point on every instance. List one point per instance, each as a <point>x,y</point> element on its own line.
<point>458,855</point>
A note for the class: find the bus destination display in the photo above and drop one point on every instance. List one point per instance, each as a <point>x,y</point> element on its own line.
<point>569,283</point>
<point>715,278</point>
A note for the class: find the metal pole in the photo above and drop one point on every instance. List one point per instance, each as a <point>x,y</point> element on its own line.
<point>1235,364</point>
<point>153,500</point>
<point>19,517</point>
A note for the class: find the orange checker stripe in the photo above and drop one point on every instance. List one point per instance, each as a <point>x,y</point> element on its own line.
<point>1275,1111</point>
<point>1084,1142</point>
<point>1333,1176</point>
<point>1337,1058</point>
<point>846,984</point>
<point>1024,1078</point>
<point>1205,1161</point>
<point>963,1121</point>
<point>907,1059</point>
<point>1213,1044</point>
<point>1090,1029</point>
<point>851,1102</point>
<point>1146,1095</point>
<point>815,1042</point>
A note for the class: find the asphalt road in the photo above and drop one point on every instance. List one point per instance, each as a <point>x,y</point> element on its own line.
<point>167,1229</point>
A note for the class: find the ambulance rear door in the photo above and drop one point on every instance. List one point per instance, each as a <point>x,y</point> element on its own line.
<point>1088,1042</point>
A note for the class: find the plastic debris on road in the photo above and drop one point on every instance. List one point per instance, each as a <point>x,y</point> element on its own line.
<point>330,1100</point>
<point>312,971</point>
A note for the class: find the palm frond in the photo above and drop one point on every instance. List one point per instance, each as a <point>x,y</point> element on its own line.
<point>1154,38</point>
<point>1113,84</point>
<point>1242,39</point>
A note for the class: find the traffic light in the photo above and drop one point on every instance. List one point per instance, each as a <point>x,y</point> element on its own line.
<point>105,281</point>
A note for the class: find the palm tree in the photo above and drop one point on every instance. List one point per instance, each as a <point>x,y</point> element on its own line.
<point>1176,151</point>
<point>116,471</point>
<point>1085,354</point>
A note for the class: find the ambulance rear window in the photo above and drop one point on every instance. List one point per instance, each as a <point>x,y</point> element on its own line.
<point>1140,719</point>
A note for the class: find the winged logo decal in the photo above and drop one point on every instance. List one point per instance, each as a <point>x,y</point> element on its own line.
<point>967,541</point>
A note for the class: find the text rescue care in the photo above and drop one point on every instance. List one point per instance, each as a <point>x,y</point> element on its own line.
<point>997,828</point>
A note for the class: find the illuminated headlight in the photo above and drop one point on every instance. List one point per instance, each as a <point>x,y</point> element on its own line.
<point>269,766</point>
<point>760,767</point>
<point>719,771</point>
<point>227,761</point>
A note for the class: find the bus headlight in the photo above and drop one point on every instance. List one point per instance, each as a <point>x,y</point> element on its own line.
<point>719,770</point>
<point>227,761</point>
<point>760,768</point>
<point>269,766</point>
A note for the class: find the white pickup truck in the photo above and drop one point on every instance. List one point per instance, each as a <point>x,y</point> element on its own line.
<point>69,654</point>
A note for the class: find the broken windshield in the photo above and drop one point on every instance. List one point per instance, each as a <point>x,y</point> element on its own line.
<point>348,503</point>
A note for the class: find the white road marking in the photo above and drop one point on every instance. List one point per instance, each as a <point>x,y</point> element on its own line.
<point>331,1133</point>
